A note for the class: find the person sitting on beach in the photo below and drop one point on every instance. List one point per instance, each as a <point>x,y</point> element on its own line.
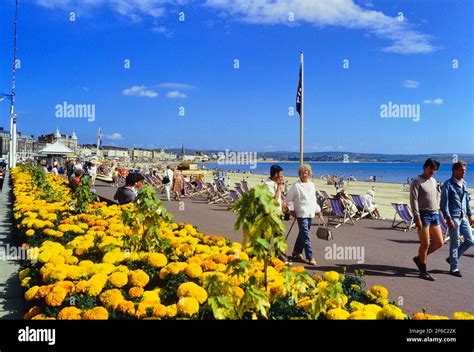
<point>425,196</point>
<point>368,200</point>
<point>127,194</point>
<point>275,184</point>
<point>302,196</point>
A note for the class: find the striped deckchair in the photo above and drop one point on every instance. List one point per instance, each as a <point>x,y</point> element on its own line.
<point>361,207</point>
<point>339,213</point>
<point>403,211</point>
<point>245,186</point>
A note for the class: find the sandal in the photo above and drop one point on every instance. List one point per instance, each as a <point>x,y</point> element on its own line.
<point>312,262</point>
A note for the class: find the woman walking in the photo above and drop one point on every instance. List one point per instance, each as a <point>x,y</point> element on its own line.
<point>303,196</point>
<point>178,183</point>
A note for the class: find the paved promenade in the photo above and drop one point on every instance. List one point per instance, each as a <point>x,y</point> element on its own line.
<point>11,300</point>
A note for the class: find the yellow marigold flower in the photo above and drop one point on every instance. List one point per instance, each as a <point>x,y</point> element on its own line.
<point>24,273</point>
<point>188,306</point>
<point>363,315</point>
<point>190,289</point>
<point>138,278</point>
<point>193,270</point>
<point>151,296</point>
<point>297,269</point>
<point>97,313</point>
<point>57,274</point>
<point>126,307</point>
<point>157,260</point>
<point>32,312</point>
<point>159,311</point>
<point>391,312</point>
<point>379,292</point>
<point>113,257</point>
<point>30,232</point>
<point>118,279</point>
<point>44,291</point>
<point>111,298</point>
<point>69,313</point>
<point>67,285</point>
<point>238,292</point>
<point>338,314</point>
<point>26,281</point>
<point>171,311</point>
<point>31,293</point>
<point>56,297</point>
<point>57,260</point>
<point>322,285</point>
<point>373,308</point>
<point>331,276</point>
<point>463,316</point>
<point>86,264</point>
<point>355,287</point>
<point>71,260</point>
<point>135,292</point>
<point>42,317</point>
<point>424,316</point>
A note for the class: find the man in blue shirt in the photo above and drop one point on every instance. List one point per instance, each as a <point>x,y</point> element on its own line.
<point>456,208</point>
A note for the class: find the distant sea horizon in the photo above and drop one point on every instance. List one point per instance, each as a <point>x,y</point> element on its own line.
<point>390,172</point>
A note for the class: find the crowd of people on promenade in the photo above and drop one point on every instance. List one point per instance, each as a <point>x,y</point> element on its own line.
<point>431,202</point>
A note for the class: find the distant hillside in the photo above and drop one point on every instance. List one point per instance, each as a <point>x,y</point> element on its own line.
<point>339,156</point>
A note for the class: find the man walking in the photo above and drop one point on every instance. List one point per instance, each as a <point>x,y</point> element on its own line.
<point>424,201</point>
<point>456,208</point>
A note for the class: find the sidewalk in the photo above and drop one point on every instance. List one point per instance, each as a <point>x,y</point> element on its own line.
<point>11,300</point>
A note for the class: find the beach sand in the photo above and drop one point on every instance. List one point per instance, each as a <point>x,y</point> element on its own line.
<point>385,193</point>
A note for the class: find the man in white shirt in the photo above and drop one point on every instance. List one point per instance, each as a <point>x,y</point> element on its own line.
<point>305,206</point>
<point>275,185</point>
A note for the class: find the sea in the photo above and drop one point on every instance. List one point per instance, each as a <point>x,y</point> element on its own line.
<point>384,172</point>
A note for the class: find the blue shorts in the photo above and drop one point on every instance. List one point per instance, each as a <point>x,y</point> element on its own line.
<point>429,219</point>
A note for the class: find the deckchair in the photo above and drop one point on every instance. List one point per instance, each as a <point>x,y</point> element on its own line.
<point>339,213</point>
<point>361,207</point>
<point>403,211</point>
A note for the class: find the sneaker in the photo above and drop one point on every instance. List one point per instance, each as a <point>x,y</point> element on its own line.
<point>417,262</point>
<point>456,273</point>
<point>427,276</point>
<point>312,262</point>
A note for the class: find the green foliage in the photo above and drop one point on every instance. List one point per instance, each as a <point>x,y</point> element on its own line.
<point>41,181</point>
<point>219,302</point>
<point>255,301</point>
<point>82,196</point>
<point>168,292</point>
<point>145,221</point>
<point>284,308</point>
<point>259,216</point>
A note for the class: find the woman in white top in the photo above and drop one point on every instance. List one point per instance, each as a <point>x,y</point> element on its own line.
<point>303,196</point>
<point>93,173</point>
<point>168,186</point>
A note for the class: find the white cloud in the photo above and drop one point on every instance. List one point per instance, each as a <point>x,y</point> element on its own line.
<point>177,86</point>
<point>411,84</point>
<point>140,91</point>
<point>114,136</point>
<point>437,101</point>
<point>135,10</point>
<point>321,13</point>
<point>162,30</point>
<point>175,95</point>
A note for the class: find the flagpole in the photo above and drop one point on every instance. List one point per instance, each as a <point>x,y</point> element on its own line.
<point>98,143</point>
<point>302,108</point>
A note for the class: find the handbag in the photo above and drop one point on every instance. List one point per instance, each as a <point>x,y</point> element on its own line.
<point>324,233</point>
<point>166,180</point>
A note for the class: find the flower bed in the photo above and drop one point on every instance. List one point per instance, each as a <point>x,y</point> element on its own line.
<point>119,262</point>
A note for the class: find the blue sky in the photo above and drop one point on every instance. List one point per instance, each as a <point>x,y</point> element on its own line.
<point>190,64</point>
